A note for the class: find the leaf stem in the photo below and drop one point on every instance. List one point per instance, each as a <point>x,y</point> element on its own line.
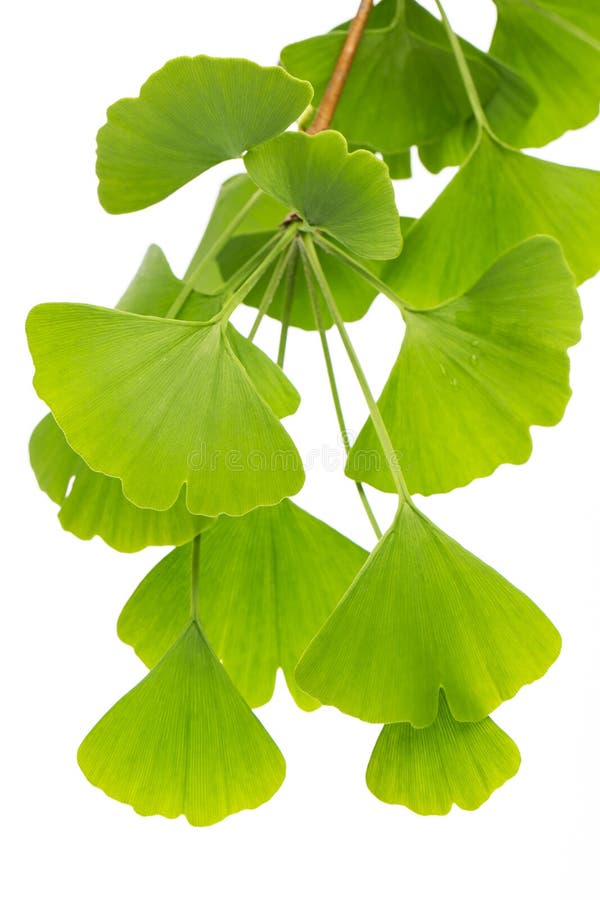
<point>287,305</point>
<point>365,273</point>
<point>376,417</point>
<point>334,388</point>
<point>268,295</point>
<point>244,289</point>
<point>464,70</point>
<point>333,91</point>
<point>194,603</point>
<point>192,276</point>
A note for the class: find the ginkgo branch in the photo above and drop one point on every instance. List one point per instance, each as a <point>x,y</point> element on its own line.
<point>314,299</point>
<point>333,91</point>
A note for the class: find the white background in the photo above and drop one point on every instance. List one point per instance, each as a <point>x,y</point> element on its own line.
<point>323,835</point>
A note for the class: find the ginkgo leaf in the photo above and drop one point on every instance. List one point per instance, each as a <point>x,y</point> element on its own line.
<point>399,164</point>
<point>155,288</point>
<point>348,195</point>
<point>555,45</point>
<point>402,89</point>
<point>499,198</point>
<point>152,292</point>
<point>429,769</point>
<point>160,403</point>
<point>94,504</point>
<point>193,113</point>
<point>424,614</point>
<point>475,374</point>
<point>260,605</point>
<point>184,742</point>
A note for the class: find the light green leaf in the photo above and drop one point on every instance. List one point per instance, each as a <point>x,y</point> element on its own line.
<point>193,113</point>
<point>154,289</point>
<point>152,292</point>
<point>429,769</point>
<point>499,198</point>
<point>94,504</point>
<point>555,45</point>
<point>425,614</point>
<point>269,380</point>
<point>474,374</point>
<point>348,195</point>
<point>402,88</point>
<point>183,742</point>
<point>160,403</point>
<point>259,605</point>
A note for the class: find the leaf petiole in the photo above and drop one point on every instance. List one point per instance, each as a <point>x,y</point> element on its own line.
<point>244,289</point>
<point>361,270</point>
<point>274,282</point>
<point>465,72</point>
<point>287,306</point>
<point>376,417</point>
<point>334,388</point>
<point>195,594</point>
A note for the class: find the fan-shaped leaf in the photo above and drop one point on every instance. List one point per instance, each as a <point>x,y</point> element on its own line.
<point>423,614</point>
<point>429,769</point>
<point>474,374</point>
<point>162,403</point>
<point>402,88</point>
<point>348,195</point>
<point>190,115</point>
<point>184,742</point>
<point>94,504</point>
<point>259,605</point>
<point>555,45</point>
<point>499,198</point>
<point>152,292</point>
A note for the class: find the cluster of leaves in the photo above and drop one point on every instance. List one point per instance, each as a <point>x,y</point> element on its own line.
<point>165,423</point>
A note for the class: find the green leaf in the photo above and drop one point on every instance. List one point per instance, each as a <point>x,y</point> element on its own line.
<point>184,742</point>
<point>260,605</point>
<point>402,88</point>
<point>154,289</point>
<point>152,292</point>
<point>160,403</point>
<point>94,504</point>
<point>348,195</point>
<point>474,374</point>
<point>429,769</point>
<point>499,198</point>
<point>425,614</point>
<point>399,164</point>
<point>193,113</point>
<point>555,45</point>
